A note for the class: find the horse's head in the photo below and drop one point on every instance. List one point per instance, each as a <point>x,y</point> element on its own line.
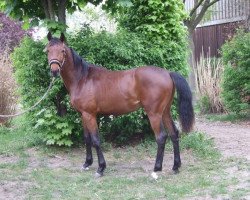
<point>56,53</point>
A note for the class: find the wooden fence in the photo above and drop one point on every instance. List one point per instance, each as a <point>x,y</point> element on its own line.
<point>218,25</point>
<point>209,39</point>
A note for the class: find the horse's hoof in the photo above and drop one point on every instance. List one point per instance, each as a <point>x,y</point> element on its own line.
<point>98,175</point>
<point>154,175</point>
<point>176,171</point>
<point>85,168</point>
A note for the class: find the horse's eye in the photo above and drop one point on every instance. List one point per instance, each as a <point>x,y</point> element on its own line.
<point>63,51</point>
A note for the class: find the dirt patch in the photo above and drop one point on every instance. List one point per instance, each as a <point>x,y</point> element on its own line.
<point>233,140</point>
<point>6,159</point>
<point>134,167</point>
<point>13,190</point>
<point>53,161</point>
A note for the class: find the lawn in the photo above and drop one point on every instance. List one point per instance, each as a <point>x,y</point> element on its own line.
<point>31,170</point>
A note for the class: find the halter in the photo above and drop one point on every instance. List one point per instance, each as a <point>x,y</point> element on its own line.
<point>56,61</point>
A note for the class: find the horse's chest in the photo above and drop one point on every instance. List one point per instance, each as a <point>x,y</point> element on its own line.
<point>82,102</point>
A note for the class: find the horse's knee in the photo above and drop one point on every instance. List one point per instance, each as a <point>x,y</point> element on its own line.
<point>95,141</point>
<point>87,139</point>
<point>161,138</point>
<point>174,136</point>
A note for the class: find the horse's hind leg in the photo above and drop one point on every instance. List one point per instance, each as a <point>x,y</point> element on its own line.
<point>161,136</point>
<point>174,135</point>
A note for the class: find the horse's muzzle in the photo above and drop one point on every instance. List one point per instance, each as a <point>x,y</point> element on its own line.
<point>55,73</point>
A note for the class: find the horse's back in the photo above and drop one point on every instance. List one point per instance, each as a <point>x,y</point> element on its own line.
<point>153,77</point>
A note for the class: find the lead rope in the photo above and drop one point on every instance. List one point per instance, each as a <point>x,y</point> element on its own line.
<point>32,107</point>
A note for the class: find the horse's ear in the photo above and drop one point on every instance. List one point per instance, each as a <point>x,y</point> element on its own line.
<point>62,37</point>
<point>49,36</point>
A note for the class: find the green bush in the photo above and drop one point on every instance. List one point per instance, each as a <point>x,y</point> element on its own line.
<point>156,19</point>
<point>116,53</point>
<point>33,75</point>
<point>236,84</point>
<point>122,50</point>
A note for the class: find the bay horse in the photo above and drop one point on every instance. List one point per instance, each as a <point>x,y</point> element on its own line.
<point>95,90</point>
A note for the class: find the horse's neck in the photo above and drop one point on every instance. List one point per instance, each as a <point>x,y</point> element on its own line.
<point>69,73</point>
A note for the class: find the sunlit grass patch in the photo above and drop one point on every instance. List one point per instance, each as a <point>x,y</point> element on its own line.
<point>200,145</point>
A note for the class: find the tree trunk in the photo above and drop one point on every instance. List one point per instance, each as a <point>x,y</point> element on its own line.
<point>62,11</point>
<point>60,107</point>
<point>51,10</point>
<point>248,23</point>
<point>192,64</point>
<point>45,8</point>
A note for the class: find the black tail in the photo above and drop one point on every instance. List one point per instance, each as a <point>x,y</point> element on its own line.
<point>184,98</point>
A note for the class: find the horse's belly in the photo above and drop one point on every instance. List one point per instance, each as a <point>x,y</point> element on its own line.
<point>119,107</point>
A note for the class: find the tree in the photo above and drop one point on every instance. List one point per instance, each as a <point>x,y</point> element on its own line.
<point>242,7</point>
<point>195,16</point>
<point>53,12</point>
<point>158,20</point>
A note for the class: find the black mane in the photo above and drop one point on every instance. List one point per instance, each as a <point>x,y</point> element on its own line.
<point>79,62</point>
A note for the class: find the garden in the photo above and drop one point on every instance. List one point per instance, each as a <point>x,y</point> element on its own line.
<point>42,151</point>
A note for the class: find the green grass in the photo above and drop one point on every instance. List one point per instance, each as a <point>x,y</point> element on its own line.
<point>32,170</point>
<point>232,117</point>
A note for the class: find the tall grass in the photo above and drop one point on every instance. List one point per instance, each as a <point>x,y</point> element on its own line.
<point>8,97</point>
<point>208,72</point>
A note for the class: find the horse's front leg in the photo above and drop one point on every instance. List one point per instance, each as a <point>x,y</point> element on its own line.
<point>88,143</point>
<point>91,124</point>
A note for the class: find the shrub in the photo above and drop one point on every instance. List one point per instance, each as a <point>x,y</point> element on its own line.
<point>155,19</point>
<point>236,85</point>
<point>115,51</point>
<point>33,74</point>
<point>208,72</point>
<point>11,33</point>
<point>8,86</point>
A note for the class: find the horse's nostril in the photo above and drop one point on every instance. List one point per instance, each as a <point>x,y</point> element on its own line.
<point>55,73</point>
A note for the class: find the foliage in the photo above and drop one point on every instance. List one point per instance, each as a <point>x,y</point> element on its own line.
<point>11,33</point>
<point>32,73</point>
<point>236,85</point>
<point>34,9</point>
<point>158,20</point>
<point>200,144</point>
<point>199,10</point>
<point>31,12</point>
<point>8,97</point>
<point>116,53</point>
